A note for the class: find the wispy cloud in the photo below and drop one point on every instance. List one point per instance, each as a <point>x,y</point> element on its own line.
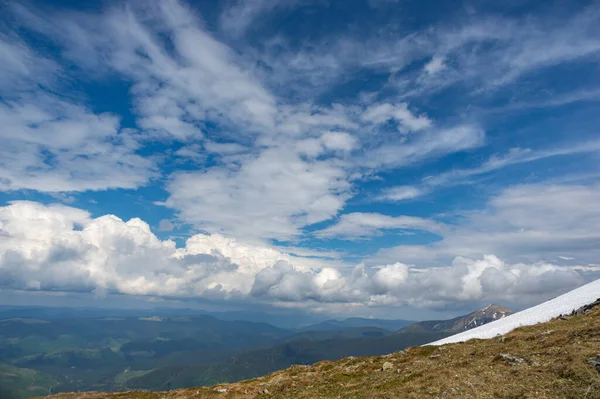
<point>515,156</point>
<point>352,226</point>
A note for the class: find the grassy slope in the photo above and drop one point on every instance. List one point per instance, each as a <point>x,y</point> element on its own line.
<point>554,364</point>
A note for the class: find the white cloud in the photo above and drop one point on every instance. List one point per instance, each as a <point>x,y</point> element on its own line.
<point>400,193</point>
<point>482,54</point>
<point>528,223</point>
<point>176,86</point>
<point>224,148</point>
<point>381,113</point>
<point>514,156</point>
<point>364,225</point>
<point>338,141</point>
<point>434,66</point>
<point>430,144</point>
<point>269,195</point>
<point>237,18</point>
<point>278,165</point>
<point>52,145</point>
<point>59,248</point>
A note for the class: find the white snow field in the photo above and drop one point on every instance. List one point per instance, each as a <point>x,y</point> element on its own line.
<point>560,305</point>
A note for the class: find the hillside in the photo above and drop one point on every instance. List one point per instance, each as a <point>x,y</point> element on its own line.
<point>310,347</point>
<point>261,361</point>
<point>551,360</point>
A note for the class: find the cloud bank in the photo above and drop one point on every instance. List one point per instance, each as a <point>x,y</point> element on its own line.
<point>60,248</point>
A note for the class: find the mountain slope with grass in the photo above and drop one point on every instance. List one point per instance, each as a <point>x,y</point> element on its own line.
<point>556,359</point>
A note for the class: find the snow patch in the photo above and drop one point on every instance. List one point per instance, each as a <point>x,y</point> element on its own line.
<point>546,311</point>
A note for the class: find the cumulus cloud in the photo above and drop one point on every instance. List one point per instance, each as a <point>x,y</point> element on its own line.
<point>60,248</point>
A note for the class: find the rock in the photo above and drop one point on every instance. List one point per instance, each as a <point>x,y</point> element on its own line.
<point>350,368</point>
<point>387,366</point>
<point>264,391</point>
<point>512,360</point>
<point>595,362</point>
<point>222,390</point>
<point>586,308</point>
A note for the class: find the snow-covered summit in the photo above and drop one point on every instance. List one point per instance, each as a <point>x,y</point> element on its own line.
<point>555,307</point>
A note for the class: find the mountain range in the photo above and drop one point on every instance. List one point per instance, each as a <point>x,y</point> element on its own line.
<point>159,352</point>
<point>532,356</point>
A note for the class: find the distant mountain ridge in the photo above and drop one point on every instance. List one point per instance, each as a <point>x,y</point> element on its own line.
<point>358,322</point>
<point>155,351</point>
<point>528,362</point>
<point>462,323</point>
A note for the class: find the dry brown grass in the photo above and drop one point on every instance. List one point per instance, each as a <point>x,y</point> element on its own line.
<point>551,363</point>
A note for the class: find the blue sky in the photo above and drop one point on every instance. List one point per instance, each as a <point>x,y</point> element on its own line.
<point>358,157</point>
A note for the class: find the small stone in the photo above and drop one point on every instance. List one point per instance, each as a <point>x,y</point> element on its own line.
<point>595,362</point>
<point>512,360</point>
<point>387,366</point>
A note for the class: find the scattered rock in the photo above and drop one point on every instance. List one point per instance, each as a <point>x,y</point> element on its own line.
<point>512,360</point>
<point>586,308</point>
<point>595,362</point>
<point>387,366</point>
